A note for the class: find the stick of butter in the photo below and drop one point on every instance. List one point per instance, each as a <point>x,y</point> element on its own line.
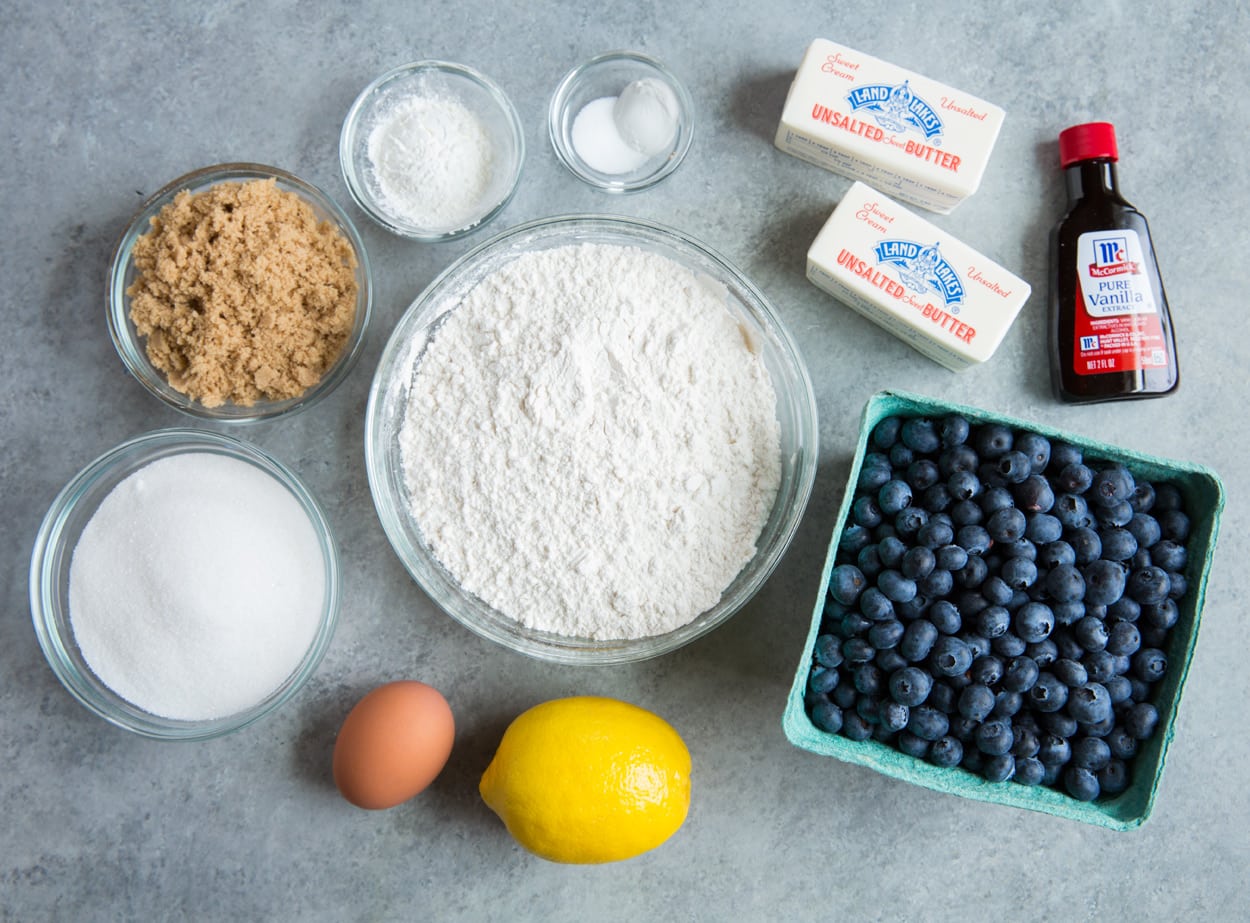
<point>920,141</point>
<point>930,290</point>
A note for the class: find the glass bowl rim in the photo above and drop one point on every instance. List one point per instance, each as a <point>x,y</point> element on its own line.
<point>43,593</point>
<point>572,650</point>
<point>129,346</point>
<point>347,134</point>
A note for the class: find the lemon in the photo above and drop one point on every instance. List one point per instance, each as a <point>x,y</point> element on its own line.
<point>589,779</point>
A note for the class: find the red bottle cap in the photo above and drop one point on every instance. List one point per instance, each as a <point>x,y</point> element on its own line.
<point>1090,141</point>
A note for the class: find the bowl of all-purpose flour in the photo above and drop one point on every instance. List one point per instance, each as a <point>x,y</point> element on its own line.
<point>591,439</point>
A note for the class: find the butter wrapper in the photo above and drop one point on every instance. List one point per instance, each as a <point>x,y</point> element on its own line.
<point>922,142</point>
<point>924,286</point>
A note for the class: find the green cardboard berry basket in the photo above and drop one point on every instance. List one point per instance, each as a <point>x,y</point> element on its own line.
<point>1204,501</point>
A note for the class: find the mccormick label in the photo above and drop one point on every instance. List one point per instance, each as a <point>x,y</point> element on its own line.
<point>929,289</point>
<point>1119,329</point>
<point>920,141</point>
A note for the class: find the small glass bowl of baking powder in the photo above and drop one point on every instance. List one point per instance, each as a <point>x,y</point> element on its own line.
<point>389,407</point>
<point>432,150</point>
<point>621,121</point>
<point>133,347</point>
<point>60,534</point>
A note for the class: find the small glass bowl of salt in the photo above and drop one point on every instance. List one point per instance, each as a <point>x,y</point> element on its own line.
<point>432,150</point>
<point>621,121</point>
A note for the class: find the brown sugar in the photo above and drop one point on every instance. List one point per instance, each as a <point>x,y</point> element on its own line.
<point>242,293</point>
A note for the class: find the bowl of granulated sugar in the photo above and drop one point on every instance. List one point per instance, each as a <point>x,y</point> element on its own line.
<point>432,150</point>
<point>591,439</point>
<point>184,585</point>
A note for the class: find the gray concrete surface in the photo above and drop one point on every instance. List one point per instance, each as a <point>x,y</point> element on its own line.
<point>103,103</point>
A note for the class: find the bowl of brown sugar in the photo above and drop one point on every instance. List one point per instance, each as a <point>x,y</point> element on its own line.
<point>239,292</point>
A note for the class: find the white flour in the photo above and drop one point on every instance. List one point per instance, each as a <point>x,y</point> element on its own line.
<point>432,160</point>
<point>591,443</point>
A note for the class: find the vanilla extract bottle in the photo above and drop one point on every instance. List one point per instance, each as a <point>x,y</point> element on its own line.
<point>1111,335</point>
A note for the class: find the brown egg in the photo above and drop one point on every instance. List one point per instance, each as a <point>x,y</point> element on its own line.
<point>393,744</point>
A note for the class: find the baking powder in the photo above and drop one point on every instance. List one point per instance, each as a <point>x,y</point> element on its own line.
<point>591,443</point>
<point>432,160</point>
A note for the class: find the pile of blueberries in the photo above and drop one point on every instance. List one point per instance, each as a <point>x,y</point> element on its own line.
<point>1000,603</point>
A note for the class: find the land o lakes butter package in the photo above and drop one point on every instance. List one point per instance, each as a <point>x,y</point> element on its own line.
<point>939,295</point>
<point>922,142</point>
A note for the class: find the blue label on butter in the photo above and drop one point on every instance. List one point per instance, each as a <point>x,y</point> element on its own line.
<point>897,108</point>
<point>922,268</point>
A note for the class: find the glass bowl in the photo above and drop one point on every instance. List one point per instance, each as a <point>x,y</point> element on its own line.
<point>606,76</point>
<point>440,82</point>
<point>796,414</point>
<point>131,346</point>
<point>50,567</point>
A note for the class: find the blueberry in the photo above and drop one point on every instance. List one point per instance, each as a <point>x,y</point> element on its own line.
<point>994,737</point>
<point>1072,511</point>
<point>1145,528</point>
<point>895,586</point>
<point>992,621</point>
<point>901,456</point>
<point>1033,622</point>
<point>1085,544</point>
<point>822,680</point>
<point>1091,753</point>
<point>999,768</point>
<point>910,520</point>
<point>853,624</point>
<point>875,605</point>
<point>992,440</point>
<point>973,574</point>
<point>1063,454</point>
<point>854,727</point>
<point>1143,498</point>
<point>945,617</point>
<point>866,512</point>
<point>1100,666</point>
<point>1141,689</point>
<point>1048,694</point>
<point>1074,478</point>
<point>1121,743</point>
<point>996,592</point>
<point>883,734</point>
<point>1118,514</point>
<point>1160,615</point>
<point>890,660</point>
<point>868,707</point>
<point>1141,719</point>
<point>886,432</point>
<point>1120,688</point>
<point>1027,736</point>
<point>890,550</point>
<point>1105,582</point>
<point>1059,723</point>
<point>893,715</point>
<point>951,656</point>
<point>1168,554</point>
<point>1153,637</point>
<point>894,495</point>
<point>1029,771</point>
<point>869,561</point>
<point>1043,528</point>
<point>1044,652</point>
<point>1005,525</point>
<point>844,696</point>
<point>885,635</point>
<point>974,539</point>
<point>1007,704</point>
<point>1054,750</point>
<point>1113,778</point>
<point>917,562</point>
<point>1090,703</point>
<point>995,499</point>
<point>912,745</point>
<point>1008,645</point>
<point>910,686</point>
<point>1020,674</point>
<point>854,537</point>
<point>976,702</point>
<point>963,485</point>
<point>1069,613</point>
<point>1055,554</point>
<point>846,581</point>
<point>1013,466</point>
<point>1124,609</point>
<point>1123,638</point>
<point>973,759</point>
<point>827,651</point>
<point>918,639</point>
<point>920,435</point>
<point>937,584</point>
<point>827,716</point>
<point>874,471</point>
<point>958,458</point>
<point>936,499</point>
<point>927,723</point>
<point>1022,548</point>
<point>1071,673</point>
<point>1178,584</point>
<point>946,752</point>
<point>1167,497</point>
<point>1091,633</point>
<point>1065,583</point>
<point>1080,783</point>
<point>868,679</point>
<point>952,430</point>
<point>857,650</point>
<point>1148,585</point>
<point>934,534</point>
<point>1112,485</point>
<point>1019,573</point>
<point>965,513</point>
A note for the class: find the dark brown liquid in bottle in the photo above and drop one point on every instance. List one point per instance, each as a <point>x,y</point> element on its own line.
<point>1095,205</point>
